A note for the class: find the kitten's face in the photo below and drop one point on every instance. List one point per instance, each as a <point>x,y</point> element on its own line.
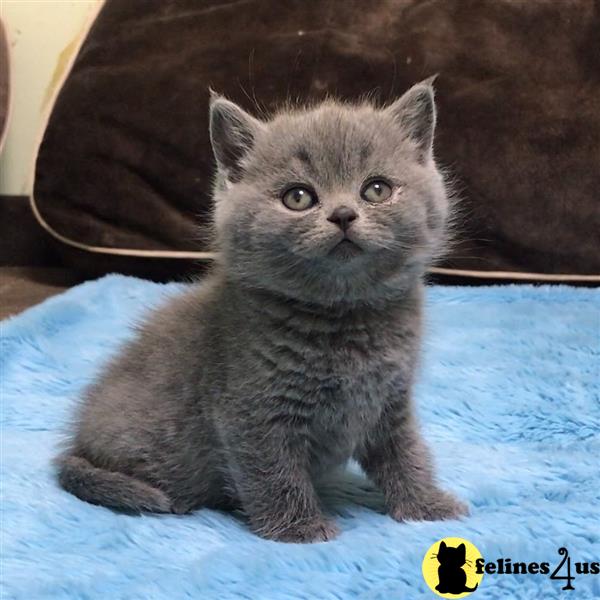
<point>329,202</point>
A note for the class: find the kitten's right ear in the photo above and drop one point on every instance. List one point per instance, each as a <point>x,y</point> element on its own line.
<point>442,545</point>
<point>232,135</point>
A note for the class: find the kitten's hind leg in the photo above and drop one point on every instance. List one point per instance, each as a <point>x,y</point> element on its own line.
<point>109,488</point>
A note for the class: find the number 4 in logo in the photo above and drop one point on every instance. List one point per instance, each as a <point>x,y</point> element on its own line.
<point>568,577</point>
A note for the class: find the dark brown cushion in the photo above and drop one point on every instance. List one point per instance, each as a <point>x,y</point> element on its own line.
<point>125,164</point>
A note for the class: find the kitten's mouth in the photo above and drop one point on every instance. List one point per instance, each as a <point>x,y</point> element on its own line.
<point>345,248</point>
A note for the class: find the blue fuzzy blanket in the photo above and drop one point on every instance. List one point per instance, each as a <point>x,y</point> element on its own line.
<point>508,400</point>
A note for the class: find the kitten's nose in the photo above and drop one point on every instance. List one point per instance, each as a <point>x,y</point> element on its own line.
<point>343,216</point>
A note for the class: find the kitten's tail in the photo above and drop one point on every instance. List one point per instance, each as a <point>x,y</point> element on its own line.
<point>467,589</point>
<point>109,488</point>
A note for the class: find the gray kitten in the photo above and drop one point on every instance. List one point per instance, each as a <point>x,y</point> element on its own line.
<point>299,350</point>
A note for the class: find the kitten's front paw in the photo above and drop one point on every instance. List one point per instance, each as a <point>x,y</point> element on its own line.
<point>433,505</point>
<point>317,531</point>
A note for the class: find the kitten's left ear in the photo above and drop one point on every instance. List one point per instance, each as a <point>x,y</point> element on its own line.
<point>416,115</point>
<point>232,135</point>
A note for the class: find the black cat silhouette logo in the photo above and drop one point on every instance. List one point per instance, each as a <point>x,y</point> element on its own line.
<point>449,568</point>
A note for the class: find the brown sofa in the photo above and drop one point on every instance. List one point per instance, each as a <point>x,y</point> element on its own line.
<point>124,170</point>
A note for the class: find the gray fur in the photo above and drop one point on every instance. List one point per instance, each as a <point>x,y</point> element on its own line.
<point>294,355</point>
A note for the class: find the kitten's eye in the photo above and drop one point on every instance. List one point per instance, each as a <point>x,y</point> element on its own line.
<point>376,190</point>
<point>299,198</point>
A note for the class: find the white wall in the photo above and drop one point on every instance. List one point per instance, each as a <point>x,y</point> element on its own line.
<point>43,35</point>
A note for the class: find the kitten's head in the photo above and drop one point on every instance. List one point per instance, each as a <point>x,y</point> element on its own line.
<point>331,203</point>
<point>450,556</point>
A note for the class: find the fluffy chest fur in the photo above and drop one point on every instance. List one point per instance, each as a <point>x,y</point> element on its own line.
<point>325,372</point>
